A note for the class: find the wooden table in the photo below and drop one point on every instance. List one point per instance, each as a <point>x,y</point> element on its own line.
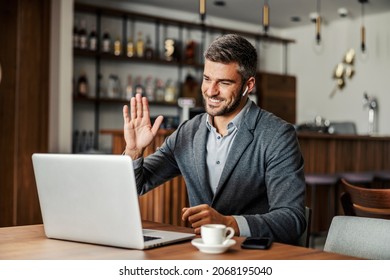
<point>30,242</point>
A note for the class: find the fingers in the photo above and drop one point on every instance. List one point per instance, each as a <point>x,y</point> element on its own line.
<point>139,107</point>
<point>138,104</point>
<point>198,215</point>
<point>157,124</point>
<point>133,108</point>
<point>126,118</point>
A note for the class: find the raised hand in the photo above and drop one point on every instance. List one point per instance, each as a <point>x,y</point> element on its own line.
<point>138,130</point>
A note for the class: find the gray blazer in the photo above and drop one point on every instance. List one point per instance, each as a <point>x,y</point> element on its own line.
<point>263,178</point>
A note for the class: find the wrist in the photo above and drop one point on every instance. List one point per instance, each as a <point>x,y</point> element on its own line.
<point>231,222</point>
<point>133,153</point>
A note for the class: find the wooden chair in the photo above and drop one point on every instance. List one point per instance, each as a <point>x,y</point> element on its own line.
<point>365,202</point>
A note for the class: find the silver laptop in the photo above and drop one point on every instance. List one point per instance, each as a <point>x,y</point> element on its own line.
<point>93,199</point>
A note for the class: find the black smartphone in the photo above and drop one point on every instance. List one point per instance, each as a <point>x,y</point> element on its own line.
<point>256,243</point>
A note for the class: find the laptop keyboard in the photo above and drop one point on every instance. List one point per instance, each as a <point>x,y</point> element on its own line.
<point>148,238</point>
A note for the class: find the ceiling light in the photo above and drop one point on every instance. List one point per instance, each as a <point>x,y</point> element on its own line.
<point>202,10</point>
<point>363,28</point>
<point>313,17</point>
<point>343,12</point>
<point>265,16</point>
<point>318,24</point>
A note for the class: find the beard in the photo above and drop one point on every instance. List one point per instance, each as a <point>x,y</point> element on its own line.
<point>226,109</point>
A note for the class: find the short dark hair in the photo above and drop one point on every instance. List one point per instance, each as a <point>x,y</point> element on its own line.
<point>230,48</point>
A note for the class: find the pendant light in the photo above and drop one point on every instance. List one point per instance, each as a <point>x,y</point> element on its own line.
<point>363,28</point>
<point>318,24</point>
<point>202,10</point>
<point>265,16</point>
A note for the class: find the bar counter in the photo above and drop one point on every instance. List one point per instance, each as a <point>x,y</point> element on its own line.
<point>328,153</point>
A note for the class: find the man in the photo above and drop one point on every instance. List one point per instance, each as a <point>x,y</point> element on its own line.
<point>242,165</point>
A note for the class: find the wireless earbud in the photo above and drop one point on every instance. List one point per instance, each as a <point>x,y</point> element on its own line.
<point>246,90</point>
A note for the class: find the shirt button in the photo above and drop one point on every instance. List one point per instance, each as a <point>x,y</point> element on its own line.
<point>218,162</point>
<point>218,137</point>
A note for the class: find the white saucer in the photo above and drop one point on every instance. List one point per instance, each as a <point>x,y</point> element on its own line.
<point>212,249</point>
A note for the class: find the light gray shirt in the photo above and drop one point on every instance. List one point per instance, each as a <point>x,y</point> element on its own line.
<point>218,148</point>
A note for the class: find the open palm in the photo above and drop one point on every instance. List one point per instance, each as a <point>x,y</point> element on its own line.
<point>138,130</point>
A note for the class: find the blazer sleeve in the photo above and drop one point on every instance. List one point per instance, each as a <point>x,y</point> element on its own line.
<point>285,187</point>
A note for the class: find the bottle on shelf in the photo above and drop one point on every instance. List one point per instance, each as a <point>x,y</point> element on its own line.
<point>76,36</point>
<point>82,85</point>
<point>92,40</point>
<point>83,37</point>
<point>159,90</point>
<point>140,45</point>
<point>139,88</point>
<point>130,47</point>
<point>148,48</point>
<point>117,46</point>
<point>106,42</point>
<point>149,88</point>
<point>129,87</point>
<point>190,52</point>
<point>170,92</point>
<point>191,89</point>
<point>113,88</point>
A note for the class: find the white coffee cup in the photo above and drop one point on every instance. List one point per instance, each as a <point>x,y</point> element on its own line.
<point>216,234</point>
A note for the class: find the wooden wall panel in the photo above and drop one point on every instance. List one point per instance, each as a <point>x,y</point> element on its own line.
<point>276,94</point>
<point>24,54</point>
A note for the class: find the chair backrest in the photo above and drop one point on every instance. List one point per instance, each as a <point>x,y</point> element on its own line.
<point>304,240</point>
<point>365,202</point>
<point>359,237</point>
